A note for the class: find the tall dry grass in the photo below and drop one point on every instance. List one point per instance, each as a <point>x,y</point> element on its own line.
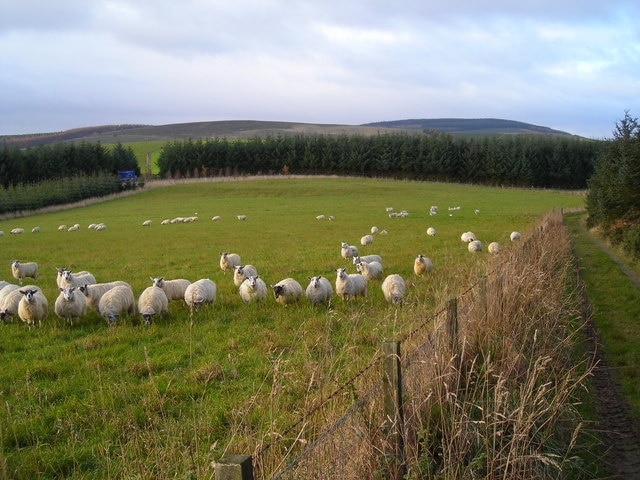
<point>497,402</point>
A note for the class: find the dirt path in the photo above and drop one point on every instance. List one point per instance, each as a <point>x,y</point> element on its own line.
<point>616,424</point>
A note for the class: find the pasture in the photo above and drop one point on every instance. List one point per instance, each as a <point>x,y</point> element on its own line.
<point>93,401</point>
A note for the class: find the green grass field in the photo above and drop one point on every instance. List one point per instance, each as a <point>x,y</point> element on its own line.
<point>92,401</point>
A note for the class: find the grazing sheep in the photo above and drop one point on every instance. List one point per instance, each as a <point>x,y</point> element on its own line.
<point>117,301</point>
<point>215,218</point>
<point>393,289</point>
<point>199,292</point>
<point>62,228</point>
<point>383,232</point>
<point>350,285</point>
<point>70,279</point>
<point>146,223</point>
<point>229,261</point>
<point>6,289</point>
<point>348,251</point>
<point>422,265</point>
<point>33,306</point>
<point>431,231</point>
<point>433,210</point>
<point>374,230</point>
<point>319,290</point>
<point>494,248</point>
<point>152,301</point>
<point>287,291</point>
<point>370,270</point>
<point>467,237</point>
<point>73,228</point>
<point>475,246</point>
<point>367,259</point>
<point>93,292</point>
<point>515,236</point>
<point>16,231</point>
<point>11,300</point>
<point>21,270</point>
<point>173,289</point>
<point>35,230</point>
<point>366,240</point>
<point>69,304</point>
<point>166,221</point>
<point>253,289</point>
<point>100,226</point>
<point>320,217</point>
<point>241,217</point>
<point>241,272</point>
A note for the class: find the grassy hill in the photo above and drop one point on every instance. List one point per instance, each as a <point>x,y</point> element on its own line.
<point>110,134</point>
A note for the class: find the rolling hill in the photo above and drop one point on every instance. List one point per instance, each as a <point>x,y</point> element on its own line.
<point>251,128</point>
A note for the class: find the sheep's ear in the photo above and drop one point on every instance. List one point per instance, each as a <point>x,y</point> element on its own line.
<point>61,289</point>
<point>23,292</point>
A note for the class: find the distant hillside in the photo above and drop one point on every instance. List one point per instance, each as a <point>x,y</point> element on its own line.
<point>470,126</point>
<point>230,129</point>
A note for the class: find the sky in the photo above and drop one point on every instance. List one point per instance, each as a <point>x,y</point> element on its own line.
<point>572,65</point>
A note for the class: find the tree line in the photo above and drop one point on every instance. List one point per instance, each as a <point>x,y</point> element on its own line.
<point>514,160</point>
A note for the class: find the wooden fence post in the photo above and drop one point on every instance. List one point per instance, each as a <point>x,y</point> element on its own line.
<point>392,388</point>
<point>452,324</point>
<point>234,467</point>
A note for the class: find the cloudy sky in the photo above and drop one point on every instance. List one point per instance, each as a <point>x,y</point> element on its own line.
<point>573,65</point>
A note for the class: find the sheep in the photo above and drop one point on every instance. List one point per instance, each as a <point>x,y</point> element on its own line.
<point>73,228</point>
<point>173,289</point>
<point>350,285</point>
<point>100,227</point>
<point>62,228</point>
<point>91,226</point>
<point>366,240</point>
<point>515,236</point>
<point>4,293</point>
<point>9,304</point>
<point>69,304</point>
<point>60,276</point>
<point>165,221</point>
<point>383,232</point>
<point>241,272</point>
<point>117,301</point>
<point>320,217</point>
<point>93,292</point>
<point>467,237</point>
<point>241,217</point>
<point>229,261</point>
<point>348,251</point>
<point>199,292</point>
<point>146,223</point>
<point>475,246</point>
<point>319,290</point>
<point>21,270</point>
<point>152,301</point>
<point>431,231</point>
<point>253,289</point>
<point>35,230</point>
<point>287,291</point>
<point>70,279</point>
<point>433,210</point>
<point>367,259</point>
<point>3,284</point>
<point>33,306</point>
<point>370,271</point>
<point>16,231</point>
<point>422,265</point>
<point>393,288</point>
<point>494,248</point>
<point>374,230</point>
<point>215,218</point>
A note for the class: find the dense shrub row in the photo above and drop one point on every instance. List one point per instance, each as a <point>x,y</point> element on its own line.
<point>519,160</point>
<point>613,202</point>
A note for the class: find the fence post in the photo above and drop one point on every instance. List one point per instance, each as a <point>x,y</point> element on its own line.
<point>234,467</point>
<point>392,387</point>
<point>452,324</point>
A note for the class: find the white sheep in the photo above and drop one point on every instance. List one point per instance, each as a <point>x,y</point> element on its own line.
<point>173,289</point>
<point>433,210</point>
<point>229,261</point>
<point>348,251</point>
<point>467,237</point>
<point>515,236</point>
<point>253,289</point>
<point>35,230</point>
<point>70,279</point>
<point>475,246</point>
<point>165,221</point>
<point>494,248</point>
<point>62,228</point>
<point>370,270</point>
<point>422,265</point>
<point>16,231</point>
<point>215,218</point>
<point>287,291</point>
<point>350,285</point>
<point>241,217</point>
<point>152,301</point>
<point>117,301</point>
<point>393,289</point>
<point>431,231</point>
<point>374,230</point>
<point>100,227</point>
<point>70,304</point>
<point>60,282</point>
<point>33,306</point>
<point>4,293</point>
<point>21,270</point>
<point>199,292</point>
<point>319,290</point>
<point>73,228</point>
<point>93,292</point>
<point>146,223</point>
<point>11,300</point>
<point>241,272</point>
<point>367,259</point>
<point>366,240</point>
<point>320,217</point>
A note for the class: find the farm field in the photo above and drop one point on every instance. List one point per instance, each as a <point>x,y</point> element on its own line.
<point>93,401</point>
